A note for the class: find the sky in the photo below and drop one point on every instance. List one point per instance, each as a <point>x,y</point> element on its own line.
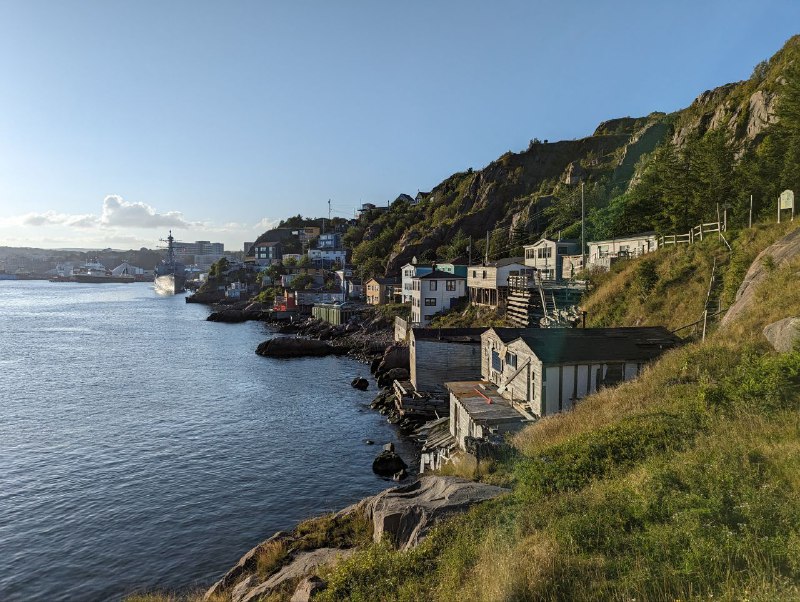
<point>121,120</point>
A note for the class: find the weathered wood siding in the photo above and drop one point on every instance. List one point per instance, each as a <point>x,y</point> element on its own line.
<point>434,363</point>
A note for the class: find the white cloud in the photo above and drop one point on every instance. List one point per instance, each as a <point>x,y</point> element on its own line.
<point>119,212</point>
<point>267,224</point>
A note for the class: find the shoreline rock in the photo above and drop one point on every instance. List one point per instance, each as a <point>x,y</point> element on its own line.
<point>288,347</point>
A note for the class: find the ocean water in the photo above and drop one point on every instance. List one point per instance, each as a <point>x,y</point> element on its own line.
<point>144,448</point>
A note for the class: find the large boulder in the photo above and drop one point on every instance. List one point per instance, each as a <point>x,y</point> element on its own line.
<point>781,253</point>
<point>784,334</point>
<point>388,463</point>
<point>232,316</point>
<point>386,379</point>
<point>360,383</point>
<point>406,514</point>
<point>292,347</point>
<point>395,356</point>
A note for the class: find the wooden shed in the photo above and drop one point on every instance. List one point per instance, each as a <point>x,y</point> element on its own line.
<point>551,368</point>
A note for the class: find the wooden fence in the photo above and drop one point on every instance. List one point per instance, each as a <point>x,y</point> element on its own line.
<point>697,233</point>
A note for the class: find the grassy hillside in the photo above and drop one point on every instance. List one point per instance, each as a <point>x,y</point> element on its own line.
<point>669,288</point>
<point>684,484</point>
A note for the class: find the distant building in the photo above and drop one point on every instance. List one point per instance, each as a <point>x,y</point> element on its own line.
<point>200,247</point>
<point>329,241</point>
<point>326,258</point>
<point>547,256</point>
<point>267,253</point>
<point>603,253</point>
<point>488,283</point>
<point>433,293</point>
<point>381,290</point>
<point>409,271</point>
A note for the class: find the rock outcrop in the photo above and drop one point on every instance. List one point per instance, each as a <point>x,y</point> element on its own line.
<point>304,564</point>
<point>406,514</point>
<point>292,347</point>
<point>388,463</point>
<point>781,252</point>
<point>233,316</point>
<point>784,334</point>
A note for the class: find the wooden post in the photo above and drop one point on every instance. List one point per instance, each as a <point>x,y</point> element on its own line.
<point>701,230</point>
<point>705,320</point>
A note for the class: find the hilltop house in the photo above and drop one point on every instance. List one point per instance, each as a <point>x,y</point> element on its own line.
<point>603,253</point>
<point>434,293</point>
<point>547,256</point>
<point>409,271</point>
<point>267,253</point>
<point>488,283</point>
<point>381,290</point>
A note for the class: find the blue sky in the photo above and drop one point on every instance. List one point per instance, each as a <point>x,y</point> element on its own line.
<point>119,120</point>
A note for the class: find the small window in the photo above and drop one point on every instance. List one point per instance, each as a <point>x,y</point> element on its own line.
<point>430,302</point>
<point>511,360</point>
<point>434,285</point>
<point>451,285</point>
<point>474,273</point>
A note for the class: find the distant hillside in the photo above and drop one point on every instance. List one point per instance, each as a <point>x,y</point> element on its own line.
<point>664,172</point>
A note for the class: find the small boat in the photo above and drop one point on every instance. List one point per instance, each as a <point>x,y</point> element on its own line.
<point>94,272</point>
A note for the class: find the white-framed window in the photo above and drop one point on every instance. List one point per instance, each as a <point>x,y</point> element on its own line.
<point>434,285</point>
<point>451,285</point>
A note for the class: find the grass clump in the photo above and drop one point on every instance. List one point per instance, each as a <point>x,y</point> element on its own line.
<point>333,531</point>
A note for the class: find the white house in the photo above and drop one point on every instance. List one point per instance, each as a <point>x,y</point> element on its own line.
<point>603,253</point>
<point>409,271</point>
<point>327,257</point>
<point>433,293</point>
<point>488,283</point>
<point>547,256</point>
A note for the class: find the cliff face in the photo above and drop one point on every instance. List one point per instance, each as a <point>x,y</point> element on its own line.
<point>511,191</point>
<point>515,191</point>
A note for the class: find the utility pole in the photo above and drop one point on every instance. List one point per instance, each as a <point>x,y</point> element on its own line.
<point>583,231</point>
<point>469,247</point>
<point>485,261</point>
<point>750,223</point>
<point>329,210</point>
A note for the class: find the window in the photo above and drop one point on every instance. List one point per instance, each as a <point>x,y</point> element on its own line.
<point>530,253</point>
<point>433,285</point>
<point>562,250</point>
<point>474,273</point>
<point>544,253</point>
<point>511,359</point>
<point>451,285</point>
<point>497,366</point>
<point>484,274</point>
<point>430,302</point>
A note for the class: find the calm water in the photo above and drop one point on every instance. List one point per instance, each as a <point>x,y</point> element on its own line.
<point>142,447</point>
